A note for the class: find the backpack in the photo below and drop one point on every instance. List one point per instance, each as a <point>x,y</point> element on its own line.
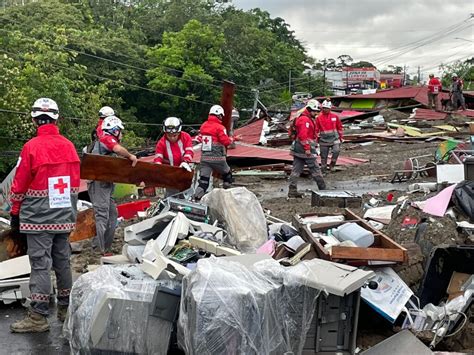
<point>292,129</point>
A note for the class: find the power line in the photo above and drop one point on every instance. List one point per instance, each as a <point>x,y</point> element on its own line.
<point>154,65</point>
<point>85,119</point>
<point>118,81</point>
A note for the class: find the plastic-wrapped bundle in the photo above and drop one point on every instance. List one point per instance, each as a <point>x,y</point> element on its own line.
<point>109,311</point>
<point>227,308</point>
<point>243,216</point>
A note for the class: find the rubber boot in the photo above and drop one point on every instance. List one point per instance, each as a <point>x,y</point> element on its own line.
<point>32,323</point>
<point>332,165</point>
<point>293,192</point>
<point>320,182</point>
<point>62,312</point>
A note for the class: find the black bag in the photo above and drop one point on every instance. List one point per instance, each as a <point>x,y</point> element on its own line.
<point>464,197</point>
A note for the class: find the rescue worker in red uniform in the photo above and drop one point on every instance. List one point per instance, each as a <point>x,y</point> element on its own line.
<point>434,88</point>
<point>214,140</point>
<point>100,192</point>
<point>97,132</point>
<point>174,148</point>
<point>329,135</point>
<point>456,92</point>
<point>44,207</point>
<point>303,149</point>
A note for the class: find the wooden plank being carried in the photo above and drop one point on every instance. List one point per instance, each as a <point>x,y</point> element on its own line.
<point>115,169</point>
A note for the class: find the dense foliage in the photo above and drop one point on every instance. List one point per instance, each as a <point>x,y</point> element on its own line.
<point>147,59</point>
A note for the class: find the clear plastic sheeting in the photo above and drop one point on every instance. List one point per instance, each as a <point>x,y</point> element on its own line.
<point>109,312</point>
<point>243,216</point>
<point>229,308</point>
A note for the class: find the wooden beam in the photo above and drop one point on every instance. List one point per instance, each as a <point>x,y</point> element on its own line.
<point>85,226</point>
<point>227,103</point>
<point>115,169</point>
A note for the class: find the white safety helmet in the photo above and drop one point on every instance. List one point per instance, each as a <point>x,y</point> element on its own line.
<point>106,111</point>
<point>327,104</point>
<point>172,125</point>
<point>313,105</point>
<point>112,122</point>
<point>45,106</point>
<point>217,110</point>
<point>455,76</point>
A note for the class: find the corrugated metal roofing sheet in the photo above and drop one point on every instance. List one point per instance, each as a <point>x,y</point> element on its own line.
<point>250,133</point>
<point>243,150</point>
<point>426,114</point>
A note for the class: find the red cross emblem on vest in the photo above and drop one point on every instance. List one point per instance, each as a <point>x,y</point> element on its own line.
<point>206,140</point>
<point>61,185</point>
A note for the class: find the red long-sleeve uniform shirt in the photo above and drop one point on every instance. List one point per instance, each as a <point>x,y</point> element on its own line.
<point>174,154</point>
<point>46,183</point>
<point>328,124</point>
<point>434,85</point>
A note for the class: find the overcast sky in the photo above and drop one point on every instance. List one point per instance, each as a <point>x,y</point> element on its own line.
<point>365,28</point>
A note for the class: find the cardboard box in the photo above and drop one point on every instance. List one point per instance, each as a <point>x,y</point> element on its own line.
<point>454,288</point>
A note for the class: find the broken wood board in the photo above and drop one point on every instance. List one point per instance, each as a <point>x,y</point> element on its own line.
<point>85,226</point>
<point>114,169</point>
<point>384,248</point>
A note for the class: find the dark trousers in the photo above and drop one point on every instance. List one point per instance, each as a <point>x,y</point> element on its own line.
<point>46,251</point>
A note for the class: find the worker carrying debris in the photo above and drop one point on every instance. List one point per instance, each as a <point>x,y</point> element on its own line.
<point>456,92</point>
<point>434,88</point>
<point>303,149</point>
<point>329,135</point>
<point>100,192</point>
<point>97,132</point>
<point>44,207</point>
<point>215,140</point>
<point>174,148</point>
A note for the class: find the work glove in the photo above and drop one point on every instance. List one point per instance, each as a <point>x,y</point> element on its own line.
<point>185,166</point>
<point>15,223</point>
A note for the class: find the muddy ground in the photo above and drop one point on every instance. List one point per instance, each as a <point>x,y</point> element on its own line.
<point>370,179</point>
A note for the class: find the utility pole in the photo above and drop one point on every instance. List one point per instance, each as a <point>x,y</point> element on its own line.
<point>404,75</point>
<point>255,103</point>
<point>309,82</point>
<point>324,76</point>
<point>419,79</point>
<point>289,82</point>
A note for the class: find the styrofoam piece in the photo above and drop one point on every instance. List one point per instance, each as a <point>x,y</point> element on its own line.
<point>15,267</point>
<point>16,289</point>
<point>450,173</point>
<point>135,233</point>
<point>133,252</point>
<point>156,267</point>
<point>100,318</point>
<point>220,250</point>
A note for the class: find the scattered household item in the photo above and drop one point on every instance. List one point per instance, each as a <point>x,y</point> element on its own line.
<point>362,237</point>
<point>402,343</point>
<point>123,312</point>
<point>383,249</point>
<point>437,205</point>
<point>242,214</point>
<point>391,295</point>
<point>340,199</point>
<point>130,209</point>
<point>449,173</point>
